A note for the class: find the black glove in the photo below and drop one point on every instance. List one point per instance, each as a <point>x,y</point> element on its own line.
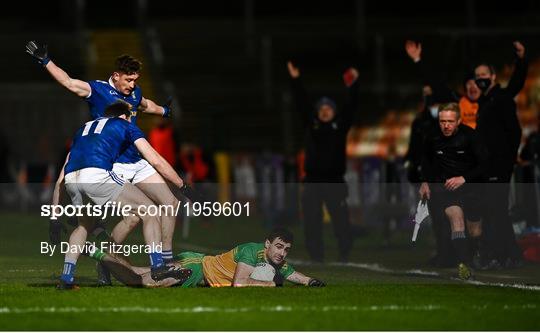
<point>191,194</point>
<point>39,52</point>
<point>316,283</point>
<point>55,231</point>
<point>167,107</point>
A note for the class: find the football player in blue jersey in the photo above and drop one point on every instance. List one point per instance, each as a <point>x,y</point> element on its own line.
<point>90,179</point>
<point>121,85</point>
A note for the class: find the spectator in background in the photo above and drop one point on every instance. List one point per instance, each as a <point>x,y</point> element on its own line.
<point>193,163</point>
<point>424,121</point>
<point>245,182</point>
<point>198,169</point>
<point>271,194</point>
<point>530,155</point>
<point>470,109</point>
<point>468,103</point>
<point>499,129</point>
<point>325,143</point>
<point>161,137</point>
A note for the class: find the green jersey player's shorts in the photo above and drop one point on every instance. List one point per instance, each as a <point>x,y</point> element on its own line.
<point>193,261</point>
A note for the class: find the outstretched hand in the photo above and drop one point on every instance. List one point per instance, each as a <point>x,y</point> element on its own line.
<point>424,191</point>
<point>294,72</point>
<point>316,283</point>
<point>167,107</point>
<point>520,49</point>
<point>350,76</point>
<point>414,50</point>
<point>39,52</point>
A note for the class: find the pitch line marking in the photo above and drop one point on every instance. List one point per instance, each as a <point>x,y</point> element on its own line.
<point>277,308</point>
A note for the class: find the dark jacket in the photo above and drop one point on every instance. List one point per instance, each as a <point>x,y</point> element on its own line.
<point>325,143</point>
<point>499,130</point>
<point>461,154</point>
<point>422,124</point>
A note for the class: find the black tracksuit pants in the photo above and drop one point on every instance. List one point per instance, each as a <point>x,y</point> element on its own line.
<point>333,195</point>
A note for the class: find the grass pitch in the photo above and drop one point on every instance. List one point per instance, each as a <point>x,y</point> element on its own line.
<point>389,288</point>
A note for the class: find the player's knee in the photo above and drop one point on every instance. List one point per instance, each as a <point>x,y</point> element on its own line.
<point>131,221</point>
<point>474,228</point>
<point>453,212</point>
<point>170,201</point>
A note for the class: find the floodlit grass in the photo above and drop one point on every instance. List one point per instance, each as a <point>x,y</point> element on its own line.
<point>355,298</point>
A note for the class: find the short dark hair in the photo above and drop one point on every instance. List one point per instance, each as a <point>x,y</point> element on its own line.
<point>117,109</point>
<point>128,64</point>
<point>281,233</point>
<point>488,65</point>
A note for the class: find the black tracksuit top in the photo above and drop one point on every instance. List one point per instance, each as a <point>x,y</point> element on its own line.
<point>461,154</point>
<point>325,143</point>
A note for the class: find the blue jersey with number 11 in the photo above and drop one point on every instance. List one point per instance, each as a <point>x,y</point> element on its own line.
<point>104,94</point>
<point>99,142</point>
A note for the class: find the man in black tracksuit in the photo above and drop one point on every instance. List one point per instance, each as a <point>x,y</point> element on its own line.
<point>453,160</point>
<point>499,129</point>
<point>325,164</point>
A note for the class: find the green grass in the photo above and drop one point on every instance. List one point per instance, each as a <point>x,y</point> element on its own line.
<point>355,298</point>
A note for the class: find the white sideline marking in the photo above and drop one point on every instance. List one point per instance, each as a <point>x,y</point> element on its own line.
<point>25,270</point>
<point>277,308</point>
<point>374,267</point>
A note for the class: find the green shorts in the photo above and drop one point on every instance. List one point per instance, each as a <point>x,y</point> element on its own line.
<point>193,261</point>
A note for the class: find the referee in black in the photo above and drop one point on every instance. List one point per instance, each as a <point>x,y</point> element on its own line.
<point>325,164</point>
<point>453,159</point>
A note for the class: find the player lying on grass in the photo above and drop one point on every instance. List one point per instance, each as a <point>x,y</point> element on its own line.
<point>249,264</point>
<point>89,178</point>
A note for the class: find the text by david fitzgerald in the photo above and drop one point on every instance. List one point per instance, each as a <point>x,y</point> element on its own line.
<point>91,247</point>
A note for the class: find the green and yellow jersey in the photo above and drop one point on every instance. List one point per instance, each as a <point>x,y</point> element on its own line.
<point>218,270</point>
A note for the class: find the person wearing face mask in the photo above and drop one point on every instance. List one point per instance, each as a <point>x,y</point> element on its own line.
<point>325,145</point>
<point>499,129</point>
<point>468,103</point>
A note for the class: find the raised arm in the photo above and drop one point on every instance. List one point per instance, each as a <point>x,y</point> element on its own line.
<point>435,81</point>
<point>242,277</point>
<point>40,53</point>
<point>521,66</point>
<point>151,107</point>
<point>350,78</point>
<point>299,92</point>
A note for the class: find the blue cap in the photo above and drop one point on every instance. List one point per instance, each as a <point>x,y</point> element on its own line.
<point>325,101</point>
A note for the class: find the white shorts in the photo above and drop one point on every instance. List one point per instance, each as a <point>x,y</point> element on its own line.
<point>134,172</point>
<point>94,185</point>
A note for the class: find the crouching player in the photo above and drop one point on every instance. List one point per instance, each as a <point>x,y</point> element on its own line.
<point>236,268</point>
<point>89,179</point>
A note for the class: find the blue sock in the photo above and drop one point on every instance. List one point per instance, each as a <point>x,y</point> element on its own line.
<point>167,255</point>
<point>156,259</point>
<point>68,272</point>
